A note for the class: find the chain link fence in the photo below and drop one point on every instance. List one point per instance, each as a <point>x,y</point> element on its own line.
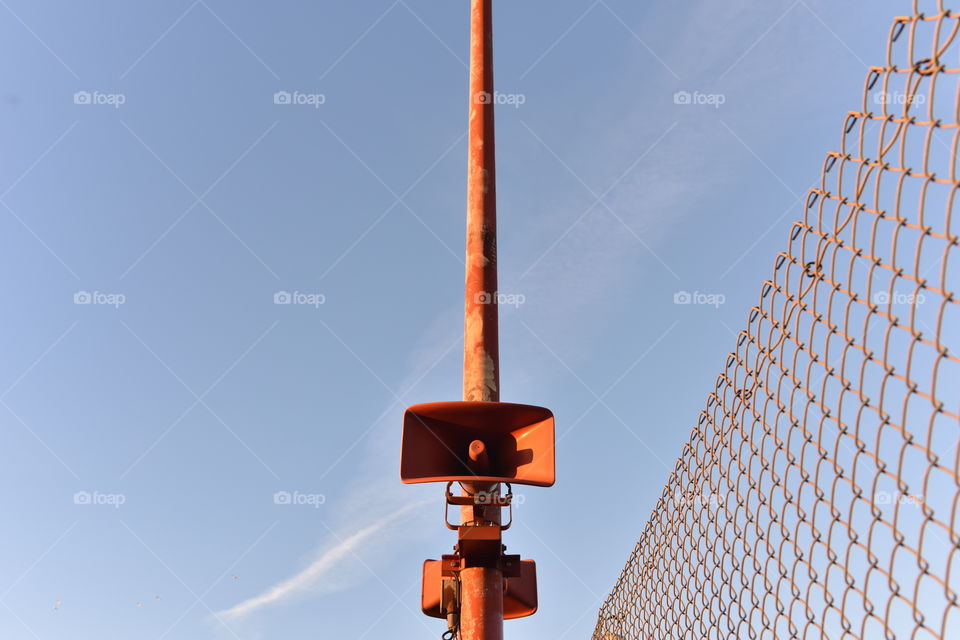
<point>818,495</point>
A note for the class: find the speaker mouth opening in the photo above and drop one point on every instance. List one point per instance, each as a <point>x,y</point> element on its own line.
<point>478,444</point>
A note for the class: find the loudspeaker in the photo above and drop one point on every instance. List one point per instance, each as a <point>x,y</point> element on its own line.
<point>519,594</point>
<point>477,442</point>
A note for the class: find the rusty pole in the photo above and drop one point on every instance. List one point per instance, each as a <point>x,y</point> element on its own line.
<point>481,615</point>
<point>481,357</point>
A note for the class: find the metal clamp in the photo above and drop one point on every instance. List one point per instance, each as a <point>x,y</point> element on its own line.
<point>482,499</point>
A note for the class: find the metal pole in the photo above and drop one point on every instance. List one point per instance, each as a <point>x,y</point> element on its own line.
<point>481,615</point>
<point>481,350</point>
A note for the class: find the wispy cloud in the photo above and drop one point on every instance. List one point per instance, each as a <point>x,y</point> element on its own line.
<point>372,486</point>
<point>317,574</point>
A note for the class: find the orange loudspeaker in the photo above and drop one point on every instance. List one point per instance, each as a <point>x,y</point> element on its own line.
<point>519,593</point>
<point>477,442</point>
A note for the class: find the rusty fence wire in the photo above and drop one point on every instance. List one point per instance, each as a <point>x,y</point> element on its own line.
<point>818,494</point>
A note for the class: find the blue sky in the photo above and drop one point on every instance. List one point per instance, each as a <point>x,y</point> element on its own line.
<point>149,171</point>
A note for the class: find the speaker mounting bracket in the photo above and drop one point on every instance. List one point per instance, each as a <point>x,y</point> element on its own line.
<point>478,499</point>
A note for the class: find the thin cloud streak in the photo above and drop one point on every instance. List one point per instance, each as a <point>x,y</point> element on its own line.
<point>378,487</point>
<point>314,574</point>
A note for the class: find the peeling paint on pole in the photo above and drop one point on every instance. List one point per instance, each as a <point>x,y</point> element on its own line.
<point>478,620</point>
<point>481,349</point>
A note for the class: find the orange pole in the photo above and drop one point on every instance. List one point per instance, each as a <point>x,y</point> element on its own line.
<point>481,612</point>
<point>481,587</point>
<point>481,350</point>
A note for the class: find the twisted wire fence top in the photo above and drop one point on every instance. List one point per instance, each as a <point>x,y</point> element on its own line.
<point>818,495</point>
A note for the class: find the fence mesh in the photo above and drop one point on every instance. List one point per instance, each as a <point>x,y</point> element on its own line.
<point>818,494</point>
